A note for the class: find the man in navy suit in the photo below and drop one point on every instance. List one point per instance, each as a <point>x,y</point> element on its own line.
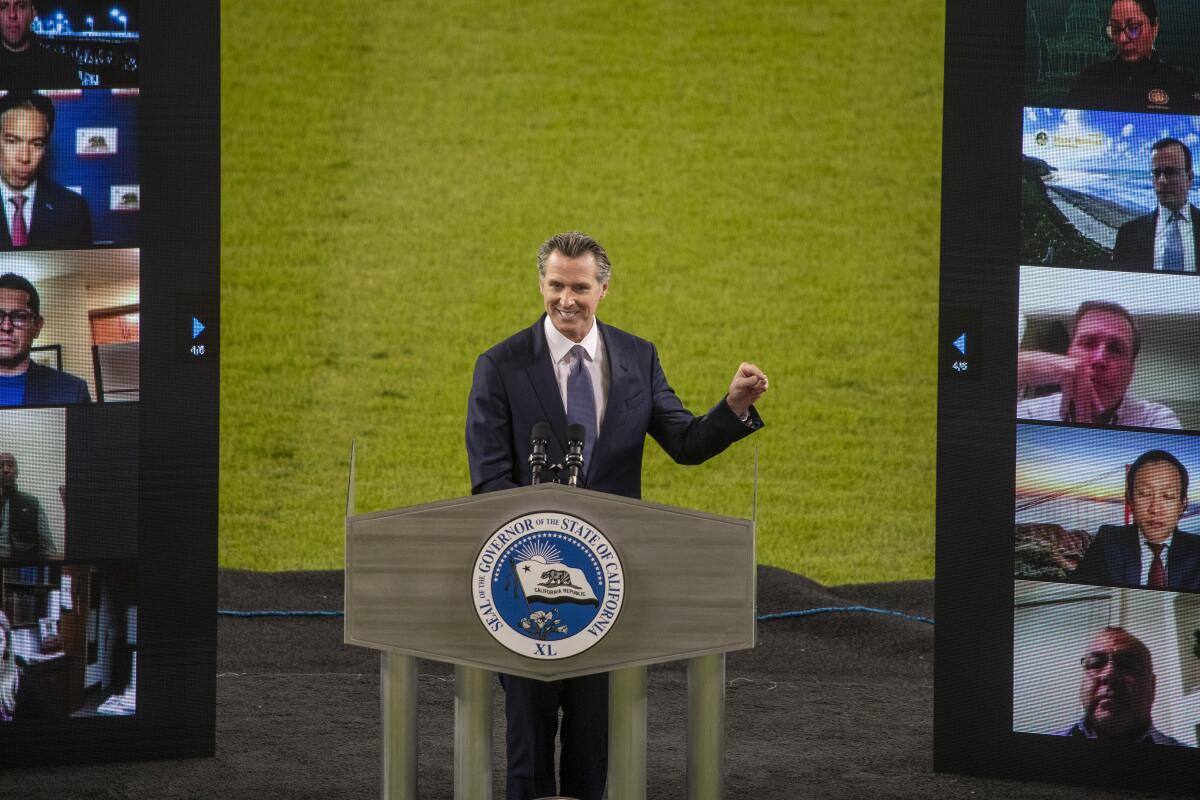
<point>38,212</point>
<point>1168,239</point>
<point>540,375</point>
<point>1152,552</point>
<point>22,382</point>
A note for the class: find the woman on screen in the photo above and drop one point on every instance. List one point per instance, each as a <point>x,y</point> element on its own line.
<point>1136,79</point>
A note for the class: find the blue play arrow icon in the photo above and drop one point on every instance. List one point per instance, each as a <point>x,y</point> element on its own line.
<point>197,327</point>
<point>960,344</point>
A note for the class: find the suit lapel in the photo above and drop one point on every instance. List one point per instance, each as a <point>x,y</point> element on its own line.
<point>540,372</point>
<point>1196,234</point>
<point>619,382</point>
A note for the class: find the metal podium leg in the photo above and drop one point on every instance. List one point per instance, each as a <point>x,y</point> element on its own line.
<point>398,709</point>
<point>627,734</point>
<point>706,727</point>
<point>472,733</point>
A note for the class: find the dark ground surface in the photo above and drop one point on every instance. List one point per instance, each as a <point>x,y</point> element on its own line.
<point>827,706</point>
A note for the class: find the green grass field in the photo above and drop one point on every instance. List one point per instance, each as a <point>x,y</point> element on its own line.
<point>765,177</point>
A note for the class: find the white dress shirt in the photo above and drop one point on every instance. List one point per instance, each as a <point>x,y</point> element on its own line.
<point>1185,231</point>
<point>596,364</point>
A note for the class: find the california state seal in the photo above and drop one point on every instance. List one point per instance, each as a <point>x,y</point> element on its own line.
<point>548,585</point>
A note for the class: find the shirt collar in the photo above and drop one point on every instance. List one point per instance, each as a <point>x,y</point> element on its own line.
<point>1185,215</point>
<point>6,193</point>
<point>560,345</point>
<point>1166,543</point>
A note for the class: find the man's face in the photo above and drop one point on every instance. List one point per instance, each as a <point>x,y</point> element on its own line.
<point>1158,501</point>
<point>16,17</point>
<point>16,341</point>
<point>1126,13</point>
<point>1103,348</point>
<point>1172,178</point>
<point>23,138</point>
<point>571,293</point>
<point>1118,685</point>
<point>8,471</point>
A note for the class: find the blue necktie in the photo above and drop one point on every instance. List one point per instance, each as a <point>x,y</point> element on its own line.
<point>1173,252</point>
<point>581,404</point>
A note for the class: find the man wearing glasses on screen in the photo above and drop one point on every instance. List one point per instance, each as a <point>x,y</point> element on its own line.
<point>1093,377</point>
<point>23,382</point>
<point>1136,79</point>
<point>1168,239</point>
<point>1117,691</point>
<point>1152,552</point>
<point>39,212</point>
<point>24,62</point>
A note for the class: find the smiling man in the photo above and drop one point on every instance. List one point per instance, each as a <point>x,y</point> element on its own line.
<point>1093,377</point>
<point>26,63</point>
<point>1136,79</point>
<point>1168,239</point>
<point>39,212</point>
<point>22,382</point>
<point>1152,552</point>
<point>1117,691</point>
<point>570,368</point>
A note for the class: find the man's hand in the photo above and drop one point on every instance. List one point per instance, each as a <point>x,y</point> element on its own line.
<point>1080,402</point>
<point>748,384</point>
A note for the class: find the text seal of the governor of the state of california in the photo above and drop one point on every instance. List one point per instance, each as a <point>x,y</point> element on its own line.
<point>548,585</point>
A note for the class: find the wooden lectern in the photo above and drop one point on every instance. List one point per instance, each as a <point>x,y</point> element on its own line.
<point>415,581</point>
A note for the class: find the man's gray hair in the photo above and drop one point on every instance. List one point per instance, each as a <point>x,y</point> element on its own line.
<point>574,244</point>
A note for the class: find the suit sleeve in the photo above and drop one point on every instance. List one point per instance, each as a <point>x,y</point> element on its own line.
<point>689,439</point>
<point>1091,566</point>
<point>83,232</point>
<point>1121,254</point>
<point>490,453</point>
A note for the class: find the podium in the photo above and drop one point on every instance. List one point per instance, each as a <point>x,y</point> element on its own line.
<point>549,582</point>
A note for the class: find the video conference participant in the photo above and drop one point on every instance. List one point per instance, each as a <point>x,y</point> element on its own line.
<point>1169,238</point>
<point>24,62</point>
<point>39,212</point>
<point>23,382</point>
<point>1137,79</point>
<point>1152,552</point>
<point>1117,691</point>
<point>571,368</point>
<point>20,697</point>
<point>1094,376</point>
<point>24,527</point>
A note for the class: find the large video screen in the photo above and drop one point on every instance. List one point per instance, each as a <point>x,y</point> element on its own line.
<point>1068,577</point>
<point>108,379</point>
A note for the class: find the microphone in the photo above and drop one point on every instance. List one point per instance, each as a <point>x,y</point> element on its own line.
<point>575,434</point>
<point>538,440</point>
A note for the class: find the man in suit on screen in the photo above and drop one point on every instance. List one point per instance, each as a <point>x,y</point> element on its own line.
<point>1168,239</point>
<point>22,381</point>
<point>571,368</point>
<point>1152,552</point>
<point>39,212</point>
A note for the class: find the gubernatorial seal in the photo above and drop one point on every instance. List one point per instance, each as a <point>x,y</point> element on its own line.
<point>548,585</point>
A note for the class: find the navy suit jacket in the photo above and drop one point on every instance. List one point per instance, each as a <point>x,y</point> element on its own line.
<point>1134,249</point>
<point>514,388</point>
<point>1114,559</point>
<point>51,387</point>
<point>60,219</point>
